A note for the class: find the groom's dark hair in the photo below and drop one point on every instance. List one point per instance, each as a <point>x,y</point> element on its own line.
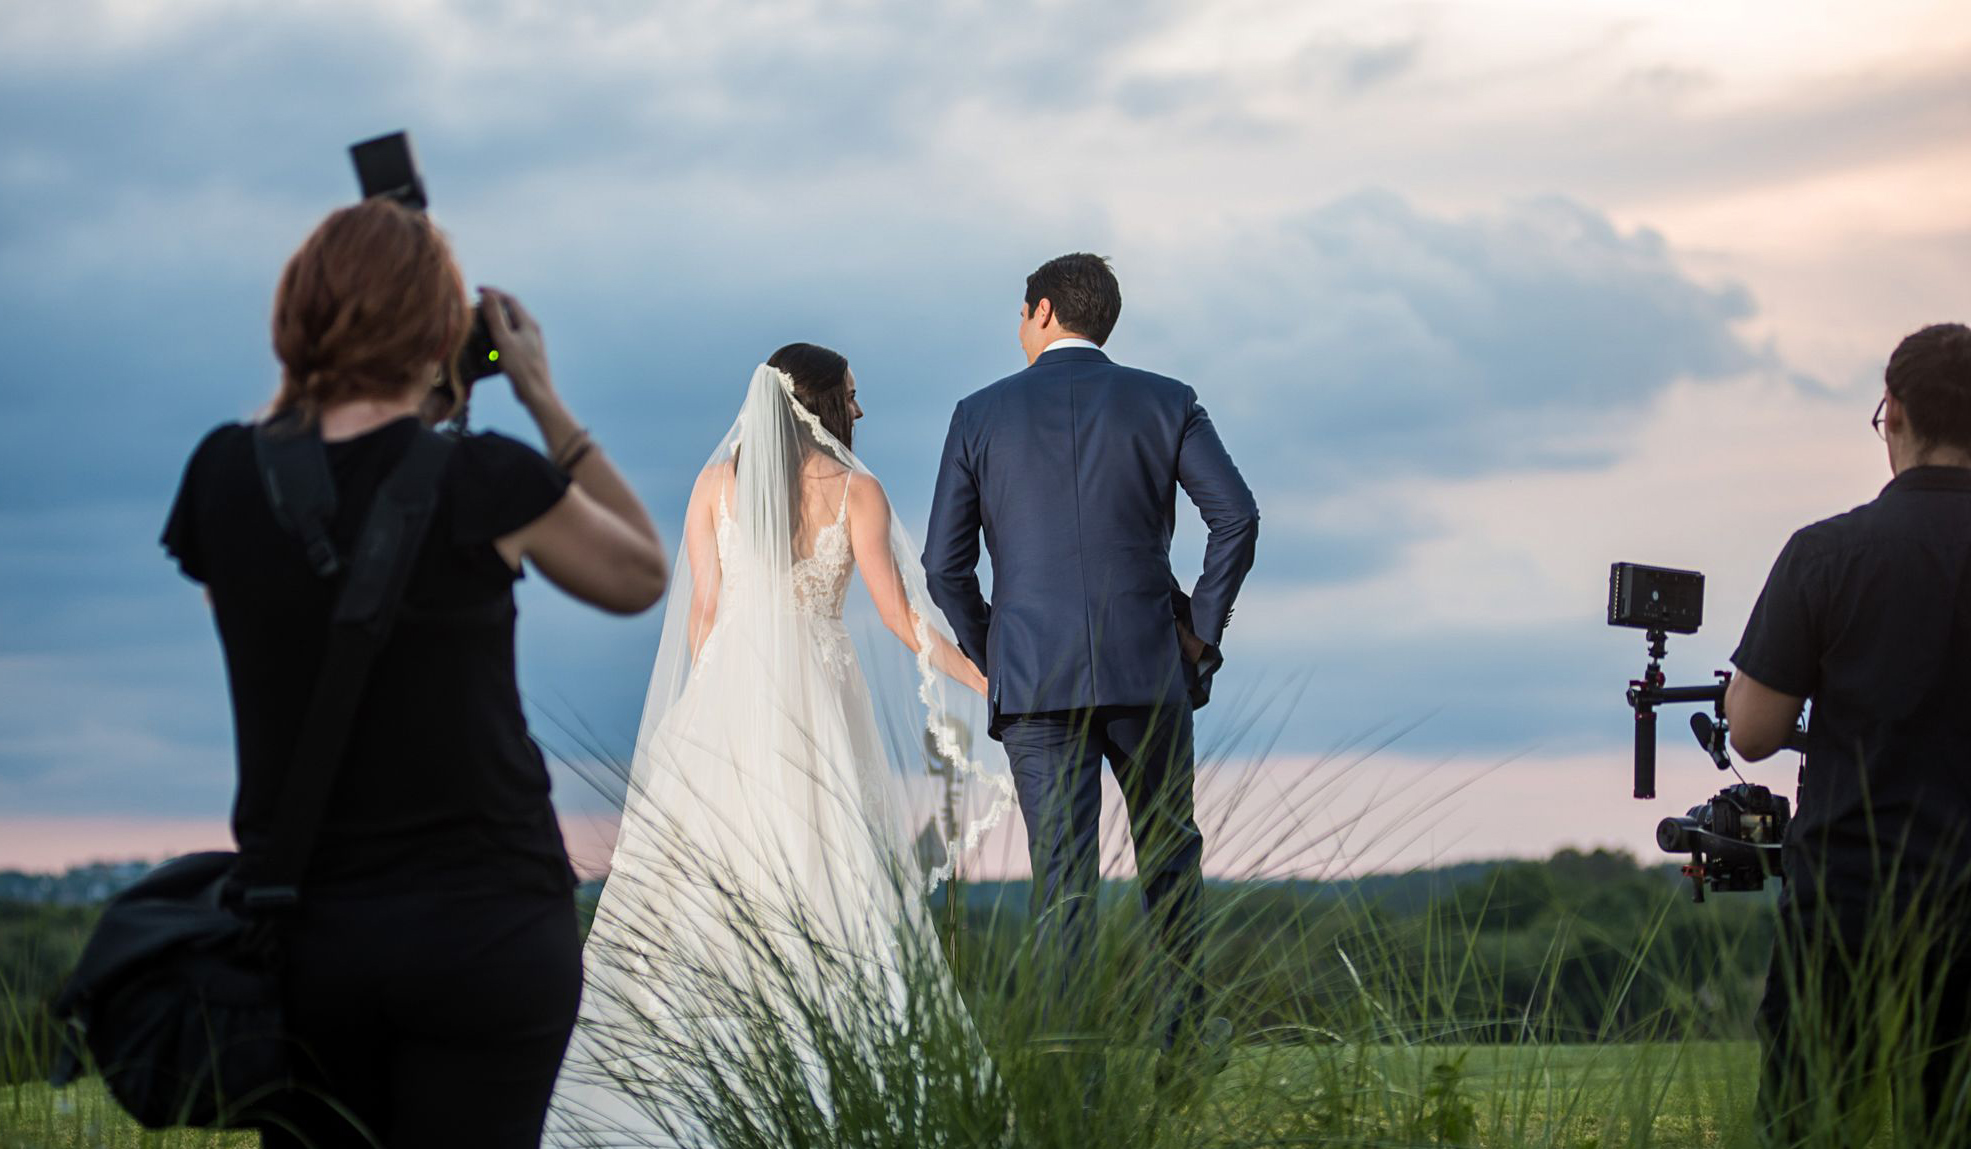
<point>1087,299</point>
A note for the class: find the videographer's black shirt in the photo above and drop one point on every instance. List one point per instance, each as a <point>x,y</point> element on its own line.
<point>1869,615</point>
<point>441,787</point>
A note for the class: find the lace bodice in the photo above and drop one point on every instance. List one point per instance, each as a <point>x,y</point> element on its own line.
<point>819,581</point>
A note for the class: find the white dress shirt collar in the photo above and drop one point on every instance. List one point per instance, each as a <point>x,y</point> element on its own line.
<point>1070,341</point>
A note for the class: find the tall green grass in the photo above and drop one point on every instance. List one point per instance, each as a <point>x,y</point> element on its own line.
<point>1355,1026</point>
<point>1355,1029</point>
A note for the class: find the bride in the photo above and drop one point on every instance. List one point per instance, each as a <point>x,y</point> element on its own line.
<point>762,920</point>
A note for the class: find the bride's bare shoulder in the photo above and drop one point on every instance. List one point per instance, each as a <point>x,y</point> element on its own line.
<point>866,493</point>
<point>715,478</point>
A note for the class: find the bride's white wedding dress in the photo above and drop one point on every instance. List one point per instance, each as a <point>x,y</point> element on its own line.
<point>766,882</point>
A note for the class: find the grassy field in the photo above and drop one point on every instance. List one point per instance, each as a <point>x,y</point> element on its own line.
<point>1579,1003</point>
<point>1571,1096</point>
<point>1467,1021</point>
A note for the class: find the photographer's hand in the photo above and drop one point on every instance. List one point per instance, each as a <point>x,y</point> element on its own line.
<point>523,356</point>
<point>523,353</point>
<point>598,542</point>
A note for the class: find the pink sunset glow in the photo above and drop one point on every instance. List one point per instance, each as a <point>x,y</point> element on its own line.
<point>1307,819</point>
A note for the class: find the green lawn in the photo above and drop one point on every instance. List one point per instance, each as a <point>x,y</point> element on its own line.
<point>1571,1096</point>
<point>1576,1096</point>
<point>84,1117</point>
<point>1689,1094</point>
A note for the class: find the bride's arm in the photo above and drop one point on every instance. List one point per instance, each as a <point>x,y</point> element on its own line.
<point>701,550</point>
<point>869,537</point>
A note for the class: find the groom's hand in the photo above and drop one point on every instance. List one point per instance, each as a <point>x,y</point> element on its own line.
<point>1193,646</point>
<point>1201,663</point>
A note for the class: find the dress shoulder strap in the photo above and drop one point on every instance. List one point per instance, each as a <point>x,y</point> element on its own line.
<point>725,507</point>
<point>842,512</point>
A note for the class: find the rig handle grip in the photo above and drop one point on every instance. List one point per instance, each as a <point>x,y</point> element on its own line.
<point>1645,752</point>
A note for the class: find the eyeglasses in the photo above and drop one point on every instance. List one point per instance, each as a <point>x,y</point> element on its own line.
<point>1876,422</point>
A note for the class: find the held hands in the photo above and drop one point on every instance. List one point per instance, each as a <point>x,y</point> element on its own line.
<point>952,661</point>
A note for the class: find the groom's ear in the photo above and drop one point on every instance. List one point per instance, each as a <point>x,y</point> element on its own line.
<point>1043,312</point>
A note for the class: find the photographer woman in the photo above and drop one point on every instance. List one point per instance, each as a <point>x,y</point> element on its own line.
<point>433,966</point>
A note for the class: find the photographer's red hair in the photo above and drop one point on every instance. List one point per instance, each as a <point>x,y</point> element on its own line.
<point>368,302</point>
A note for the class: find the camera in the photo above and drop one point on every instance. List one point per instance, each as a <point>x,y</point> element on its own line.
<point>1734,838</point>
<point>386,166</point>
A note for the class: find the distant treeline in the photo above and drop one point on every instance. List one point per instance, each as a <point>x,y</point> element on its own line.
<point>80,886</point>
<point>1577,947</point>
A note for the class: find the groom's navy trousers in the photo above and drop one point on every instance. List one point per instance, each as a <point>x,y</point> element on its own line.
<point>1057,766</point>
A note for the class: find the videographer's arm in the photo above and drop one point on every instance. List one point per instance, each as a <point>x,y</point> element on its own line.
<point>1778,659</point>
<point>1761,718</point>
<point>598,542</point>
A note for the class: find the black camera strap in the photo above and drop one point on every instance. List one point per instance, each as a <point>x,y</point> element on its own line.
<point>294,471</point>
<point>294,468</point>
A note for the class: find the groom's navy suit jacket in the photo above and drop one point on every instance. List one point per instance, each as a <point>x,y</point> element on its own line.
<point>1071,468</point>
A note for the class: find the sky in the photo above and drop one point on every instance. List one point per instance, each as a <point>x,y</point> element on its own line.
<point>1482,297</point>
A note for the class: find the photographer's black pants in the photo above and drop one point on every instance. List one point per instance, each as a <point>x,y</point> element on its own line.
<point>1056,762</point>
<point>433,1020</point>
<point>1882,998</point>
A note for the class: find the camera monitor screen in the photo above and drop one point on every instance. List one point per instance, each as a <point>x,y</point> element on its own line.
<point>1655,598</point>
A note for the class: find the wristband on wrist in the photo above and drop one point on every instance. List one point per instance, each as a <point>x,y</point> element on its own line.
<point>580,453</point>
<point>577,445</point>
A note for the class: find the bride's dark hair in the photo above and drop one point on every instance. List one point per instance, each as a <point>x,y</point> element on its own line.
<point>821,383</point>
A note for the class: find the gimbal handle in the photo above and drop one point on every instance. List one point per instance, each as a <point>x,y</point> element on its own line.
<point>1649,692</point>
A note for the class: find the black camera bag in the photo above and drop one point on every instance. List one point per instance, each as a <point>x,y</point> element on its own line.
<point>177,995</point>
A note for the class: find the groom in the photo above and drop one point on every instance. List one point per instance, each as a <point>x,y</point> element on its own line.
<point>1091,649</point>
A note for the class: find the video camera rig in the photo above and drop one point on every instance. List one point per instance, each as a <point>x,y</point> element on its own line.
<point>1734,838</point>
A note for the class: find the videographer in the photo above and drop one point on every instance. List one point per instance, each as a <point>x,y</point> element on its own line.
<point>1869,615</point>
<point>432,966</point>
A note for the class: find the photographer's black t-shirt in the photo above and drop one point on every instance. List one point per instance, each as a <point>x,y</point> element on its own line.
<point>441,787</point>
<point>1869,615</point>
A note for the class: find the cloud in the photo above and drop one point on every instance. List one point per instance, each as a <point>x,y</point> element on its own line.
<point>1470,102</point>
<point>1364,67</point>
<point>139,730</point>
<point>1489,625</point>
<point>691,90</point>
<point>1369,341</point>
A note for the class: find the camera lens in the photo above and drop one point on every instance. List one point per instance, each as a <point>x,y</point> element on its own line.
<point>1673,835</point>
